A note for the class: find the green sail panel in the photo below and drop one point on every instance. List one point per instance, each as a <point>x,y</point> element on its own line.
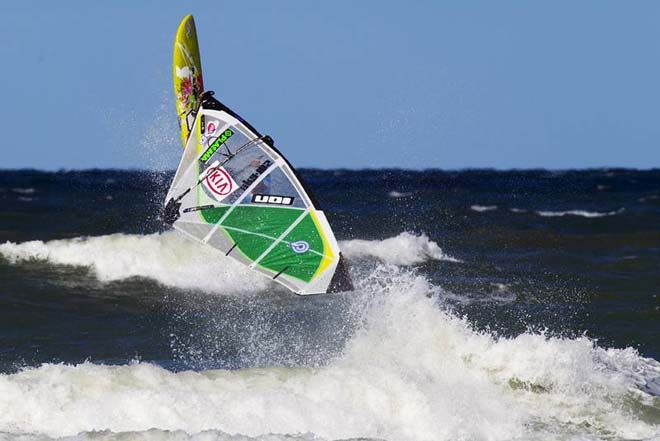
<point>300,265</point>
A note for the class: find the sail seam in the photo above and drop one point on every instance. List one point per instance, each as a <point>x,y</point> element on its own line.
<point>252,186</point>
<point>240,230</point>
<point>197,157</point>
<point>265,236</point>
<point>279,239</point>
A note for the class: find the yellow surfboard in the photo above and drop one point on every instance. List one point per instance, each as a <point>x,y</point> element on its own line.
<point>187,71</point>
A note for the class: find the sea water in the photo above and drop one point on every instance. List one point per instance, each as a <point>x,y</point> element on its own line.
<point>488,306</point>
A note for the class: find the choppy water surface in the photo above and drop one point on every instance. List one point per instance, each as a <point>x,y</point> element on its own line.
<point>489,306</point>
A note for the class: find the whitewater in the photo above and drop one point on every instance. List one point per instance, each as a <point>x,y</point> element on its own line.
<point>412,369</point>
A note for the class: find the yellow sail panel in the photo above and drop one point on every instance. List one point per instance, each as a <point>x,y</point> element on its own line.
<point>187,72</point>
<point>328,256</point>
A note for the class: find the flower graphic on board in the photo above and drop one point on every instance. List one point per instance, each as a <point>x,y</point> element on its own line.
<point>190,86</point>
<point>185,89</point>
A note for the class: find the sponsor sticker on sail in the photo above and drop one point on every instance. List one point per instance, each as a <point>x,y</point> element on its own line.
<point>211,126</point>
<point>219,183</point>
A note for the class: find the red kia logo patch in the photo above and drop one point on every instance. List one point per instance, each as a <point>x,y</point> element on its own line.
<point>219,182</point>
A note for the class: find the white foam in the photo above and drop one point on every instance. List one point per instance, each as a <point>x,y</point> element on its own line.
<point>397,194</point>
<point>582,213</point>
<point>404,249</point>
<point>168,258</point>
<point>173,260</point>
<point>482,208</point>
<point>412,372</point>
<point>24,190</point>
<point>160,435</point>
<point>653,197</point>
<point>501,293</point>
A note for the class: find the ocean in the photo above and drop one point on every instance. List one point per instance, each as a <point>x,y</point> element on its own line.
<point>489,305</point>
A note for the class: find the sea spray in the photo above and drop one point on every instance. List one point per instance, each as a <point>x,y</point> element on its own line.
<point>403,249</point>
<point>409,371</point>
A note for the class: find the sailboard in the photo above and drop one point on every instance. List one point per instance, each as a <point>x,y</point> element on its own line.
<point>187,72</point>
<point>234,191</point>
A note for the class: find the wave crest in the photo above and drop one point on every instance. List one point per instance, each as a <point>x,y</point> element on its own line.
<point>404,249</point>
<point>482,208</point>
<point>581,213</point>
<point>167,257</point>
<point>173,260</point>
<point>411,371</point>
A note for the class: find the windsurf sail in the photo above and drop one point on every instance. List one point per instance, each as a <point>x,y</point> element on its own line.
<point>187,72</point>
<point>233,190</point>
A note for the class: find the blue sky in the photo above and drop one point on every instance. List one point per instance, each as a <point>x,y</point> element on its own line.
<point>433,84</point>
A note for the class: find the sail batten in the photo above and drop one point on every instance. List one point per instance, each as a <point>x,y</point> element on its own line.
<point>235,204</point>
<point>279,239</point>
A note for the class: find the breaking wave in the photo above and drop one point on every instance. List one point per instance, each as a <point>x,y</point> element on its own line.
<point>398,194</point>
<point>404,249</point>
<point>411,371</point>
<point>173,260</point>
<point>168,258</point>
<point>582,213</point>
<point>28,190</point>
<point>482,208</point>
